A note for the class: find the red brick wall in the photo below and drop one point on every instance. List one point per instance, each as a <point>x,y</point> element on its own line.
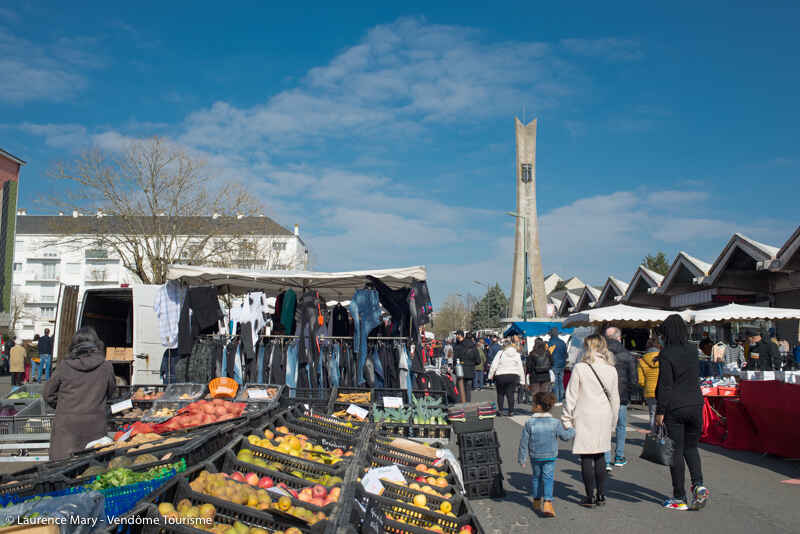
<point>9,170</point>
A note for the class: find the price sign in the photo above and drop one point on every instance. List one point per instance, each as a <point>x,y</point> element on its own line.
<point>769,375</point>
<point>357,411</point>
<point>121,406</point>
<point>392,402</point>
<point>259,394</point>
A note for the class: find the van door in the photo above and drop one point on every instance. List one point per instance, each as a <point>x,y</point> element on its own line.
<point>66,320</point>
<point>147,348</point>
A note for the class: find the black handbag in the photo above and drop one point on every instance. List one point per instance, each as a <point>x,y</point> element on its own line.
<point>658,447</point>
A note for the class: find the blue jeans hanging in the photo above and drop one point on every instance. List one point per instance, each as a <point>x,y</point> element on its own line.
<point>224,370</point>
<point>333,365</point>
<point>291,365</point>
<point>260,373</point>
<point>366,312</point>
<point>380,380</point>
<point>237,365</point>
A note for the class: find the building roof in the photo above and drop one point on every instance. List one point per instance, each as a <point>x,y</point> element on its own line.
<point>787,257</point>
<point>612,285</point>
<point>91,224</point>
<point>570,299</point>
<point>12,157</point>
<point>650,277</point>
<point>697,268</point>
<point>757,251</point>
<point>588,298</point>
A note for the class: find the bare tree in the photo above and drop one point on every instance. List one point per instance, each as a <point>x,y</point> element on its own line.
<point>155,206</point>
<point>452,315</point>
<point>18,311</point>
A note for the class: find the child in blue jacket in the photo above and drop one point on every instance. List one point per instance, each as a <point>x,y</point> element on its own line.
<point>539,443</point>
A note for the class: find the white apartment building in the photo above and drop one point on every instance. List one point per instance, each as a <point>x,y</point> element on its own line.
<point>47,254</point>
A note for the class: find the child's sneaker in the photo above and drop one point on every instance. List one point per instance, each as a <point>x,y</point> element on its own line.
<point>537,505</point>
<point>700,496</point>
<point>676,504</point>
<point>609,468</point>
<point>620,461</point>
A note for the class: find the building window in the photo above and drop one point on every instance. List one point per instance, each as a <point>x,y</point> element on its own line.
<point>47,312</point>
<point>96,254</point>
<point>98,274</point>
<point>17,267</point>
<point>74,269</point>
<point>279,245</point>
<point>527,172</point>
<point>49,271</point>
<point>48,294</point>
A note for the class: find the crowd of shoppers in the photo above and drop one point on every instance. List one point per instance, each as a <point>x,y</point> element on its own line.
<point>29,361</point>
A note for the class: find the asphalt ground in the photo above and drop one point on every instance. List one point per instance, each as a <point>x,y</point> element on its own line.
<point>750,493</point>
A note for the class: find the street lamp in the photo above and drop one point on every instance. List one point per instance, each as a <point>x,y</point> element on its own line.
<point>525,255</point>
<point>487,300</point>
<point>466,310</point>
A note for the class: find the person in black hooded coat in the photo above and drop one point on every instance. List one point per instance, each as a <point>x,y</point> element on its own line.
<point>78,390</point>
<point>680,408</point>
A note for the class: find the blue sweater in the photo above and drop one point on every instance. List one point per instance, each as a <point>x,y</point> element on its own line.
<point>540,436</point>
<point>559,353</point>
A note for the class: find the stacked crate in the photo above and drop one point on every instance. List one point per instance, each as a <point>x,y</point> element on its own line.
<point>480,464</point>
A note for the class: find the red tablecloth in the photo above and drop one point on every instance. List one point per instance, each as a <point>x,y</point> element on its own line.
<point>713,427</point>
<point>774,408</point>
<point>741,432</point>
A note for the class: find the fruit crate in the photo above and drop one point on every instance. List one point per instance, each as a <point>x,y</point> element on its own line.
<point>410,472</point>
<point>482,456</point>
<point>14,491</point>
<point>184,392</point>
<point>129,392</point>
<point>227,511</point>
<point>317,400</point>
<point>351,390</point>
<point>325,424</point>
<point>34,389</point>
<point>326,439</point>
<point>70,478</point>
<point>475,473</point>
<point>406,494</point>
<point>242,395</point>
<point>484,489</point>
<point>212,467</point>
<point>397,516</point>
<point>477,440</point>
<point>151,417</point>
<point>405,457</point>
<point>293,462</point>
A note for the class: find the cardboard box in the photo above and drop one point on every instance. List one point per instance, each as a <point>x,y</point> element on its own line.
<point>119,354</point>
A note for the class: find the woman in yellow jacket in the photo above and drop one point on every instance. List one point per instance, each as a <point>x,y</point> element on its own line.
<point>648,377</point>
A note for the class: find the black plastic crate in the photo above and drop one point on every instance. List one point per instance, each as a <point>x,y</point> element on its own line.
<point>477,440</point>
<point>400,516</point>
<point>227,462</point>
<point>484,489</point>
<point>472,425</point>
<point>328,439</point>
<point>379,393</point>
<point>351,390</point>
<point>474,473</point>
<point>317,400</point>
<point>405,457</point>
<point>482,456</point>
<point>227,512</point>
<point>242,395</point>
<point>294,462</point>
<point>406,494</point>
<point>326,424</point>
<point>190,392</point>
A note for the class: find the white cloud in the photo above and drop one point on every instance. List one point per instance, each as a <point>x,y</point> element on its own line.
<point>676,198</point>
<point>609,48</point>
<point>66,136</point>
<point>44,72</point>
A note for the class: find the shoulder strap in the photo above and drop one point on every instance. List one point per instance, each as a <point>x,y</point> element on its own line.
<point>601,382</point>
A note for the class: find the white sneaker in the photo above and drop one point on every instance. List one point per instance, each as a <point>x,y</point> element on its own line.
<point>559,403</point>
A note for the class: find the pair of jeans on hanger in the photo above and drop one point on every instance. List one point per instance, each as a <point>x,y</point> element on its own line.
<point>366,312</point>
<point>291,365</point>
<point>333,364</point>
<point>406,381</point>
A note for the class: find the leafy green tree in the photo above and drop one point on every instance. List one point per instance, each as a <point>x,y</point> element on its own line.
<point>488,311</point>
<point>657,263</point>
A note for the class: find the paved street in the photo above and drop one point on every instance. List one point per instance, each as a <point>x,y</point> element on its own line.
<point>747,493</point>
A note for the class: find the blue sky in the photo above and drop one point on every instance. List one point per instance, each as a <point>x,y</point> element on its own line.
<point>387,132</point>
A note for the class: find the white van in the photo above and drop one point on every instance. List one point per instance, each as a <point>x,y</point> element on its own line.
<point>123,317</point>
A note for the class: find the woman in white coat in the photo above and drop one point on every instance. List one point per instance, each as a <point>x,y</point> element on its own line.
<point>591,406</point>
<point>507,372</point>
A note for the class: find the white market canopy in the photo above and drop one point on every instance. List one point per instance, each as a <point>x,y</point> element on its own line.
<point>737,312</point>
<point>620,314</point>
<point>331,286</point>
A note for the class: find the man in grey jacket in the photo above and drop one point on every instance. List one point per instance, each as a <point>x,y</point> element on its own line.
<point>626,380</point>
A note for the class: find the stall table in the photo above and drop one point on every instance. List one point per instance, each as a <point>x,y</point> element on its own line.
<point>774,408</point>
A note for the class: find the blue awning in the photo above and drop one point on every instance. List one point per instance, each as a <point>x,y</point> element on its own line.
<point>534,328</point>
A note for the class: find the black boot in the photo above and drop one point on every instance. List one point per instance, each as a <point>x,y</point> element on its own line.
<point>600,500</point>
<point>588,502</point>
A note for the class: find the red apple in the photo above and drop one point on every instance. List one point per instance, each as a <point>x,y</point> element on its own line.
<point>319,492</point>
<point>265,483</point>
<point>466,529</point>
<point>421,479</point>
<point>305,495</point>
<point>238,477</point>
<point>251,479</point>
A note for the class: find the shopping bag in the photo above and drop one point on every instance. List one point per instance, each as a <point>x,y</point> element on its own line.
<point>658,447</point>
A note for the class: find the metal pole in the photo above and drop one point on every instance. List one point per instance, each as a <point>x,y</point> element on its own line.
<point>525,253</point>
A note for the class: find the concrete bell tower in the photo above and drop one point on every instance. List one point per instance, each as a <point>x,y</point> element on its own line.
<point>527,279</point>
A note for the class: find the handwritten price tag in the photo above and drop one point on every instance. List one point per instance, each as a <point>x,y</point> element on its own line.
<point>259,394</point>
<point>357,411</point>
<point>121,406</point>
<point>392,402</point>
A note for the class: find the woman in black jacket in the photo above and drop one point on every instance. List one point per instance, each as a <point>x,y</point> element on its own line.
<point>538,366</point>
<point>680,407</point>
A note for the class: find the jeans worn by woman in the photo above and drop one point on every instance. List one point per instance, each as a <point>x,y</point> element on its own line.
<point>366,312</point>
